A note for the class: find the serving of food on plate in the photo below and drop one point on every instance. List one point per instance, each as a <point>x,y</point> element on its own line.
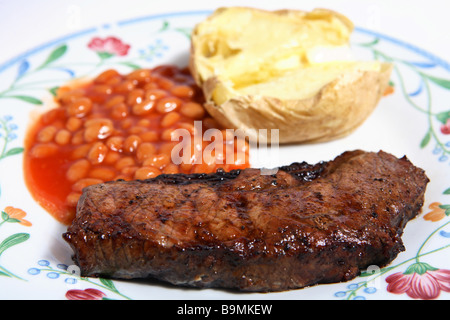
<point>150,172</point>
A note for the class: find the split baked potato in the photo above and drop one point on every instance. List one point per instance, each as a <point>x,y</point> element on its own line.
<point>288,70</point>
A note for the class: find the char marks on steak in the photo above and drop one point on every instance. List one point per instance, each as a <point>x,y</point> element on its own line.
<point>304,225</point>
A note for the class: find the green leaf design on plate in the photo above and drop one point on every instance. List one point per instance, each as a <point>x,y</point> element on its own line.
<point>4,274</point>
<point>13,240</point>
<point>425,140</point>
<point>27,99</point>
<point>419,268</point>
<point>54,91</point>
<point>443,116</point>
<point>104,55</point>
<point>444,206</point>
<point>185,31</point>
<point>447,191</point>
<point>445,83</point>
<point>130,64</point>
<point>370,44</point>
<point>13,151</point>
<point>54,55</point>
<point>165,26</point>
<point>108,283</point>
<point>7,218</point>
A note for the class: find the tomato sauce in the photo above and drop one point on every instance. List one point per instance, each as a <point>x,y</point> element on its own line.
<point>118,127</point>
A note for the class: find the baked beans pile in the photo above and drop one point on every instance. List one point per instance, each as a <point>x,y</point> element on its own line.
<point>117,127</point>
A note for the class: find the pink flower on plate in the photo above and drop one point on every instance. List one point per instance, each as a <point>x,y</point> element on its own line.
<point>445,128</point>
<point>86,294</point>
<point>108,47</point>
<point>420,281</point>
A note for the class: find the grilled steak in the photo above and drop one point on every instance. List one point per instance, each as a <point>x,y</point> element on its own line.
<point>304,225</point>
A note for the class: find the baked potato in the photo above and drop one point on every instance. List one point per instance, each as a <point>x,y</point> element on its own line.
<point>288,70</point>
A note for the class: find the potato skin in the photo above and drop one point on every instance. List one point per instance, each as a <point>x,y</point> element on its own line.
<point>335,111</point>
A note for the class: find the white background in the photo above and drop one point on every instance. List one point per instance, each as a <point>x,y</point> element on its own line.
<point>26,24</point>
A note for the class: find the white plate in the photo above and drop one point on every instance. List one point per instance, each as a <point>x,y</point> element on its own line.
<point>34,259</point>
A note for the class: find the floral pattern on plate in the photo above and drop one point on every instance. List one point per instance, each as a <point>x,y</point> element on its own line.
<point>417,112</point>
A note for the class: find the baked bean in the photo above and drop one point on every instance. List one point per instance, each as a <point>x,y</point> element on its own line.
<point>78,170</point>
<point>135,96</point>
<point>78,138</point>
<point>71,95</point>
<point>124,87</point>
<point>112,157</point>
<point>113,101</point>
<point>182,91</point>
<point>80,152</point>
<point>171,169</point>
<point>80,107</point>
<point>63,137</point>
<point>149,136</point>
<point>167,134</point>
<point>44,150</point>
<point>85,182</point>
<point>97,153</point>
<point>114,81</point>
<point>124,162</point>
<point>131,143</point>
<point>144,151</point>
<point>186,167</point>
<point>146,173</point>
<point>115,143</point>
<point>129,171</point>
<point>168,104</point>
<point>102,173</point>
<point>136,130</point>
<point>144,123</point>
<point>73,124</point>
<point>167,147</point>
<point>47,134</point>
<point>143,108</point>
<point>52,116</point>
<point>102,89</point>
<point>155,94</point>
<point>192,110</point>
<point>72,199</point>
<point>204,168</point>
<point>140,75</point>
<point>98,129</point>
<point>157,161</point>
<point>127,123</point>
<point>106,75</point>
<point>170,119</point>
<point>164,83</point>
<point>119,111</point>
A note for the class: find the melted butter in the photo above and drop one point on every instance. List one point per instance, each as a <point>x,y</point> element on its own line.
<point>249,46</point>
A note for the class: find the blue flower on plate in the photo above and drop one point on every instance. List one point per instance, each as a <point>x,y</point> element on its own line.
<point>154,50</point>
